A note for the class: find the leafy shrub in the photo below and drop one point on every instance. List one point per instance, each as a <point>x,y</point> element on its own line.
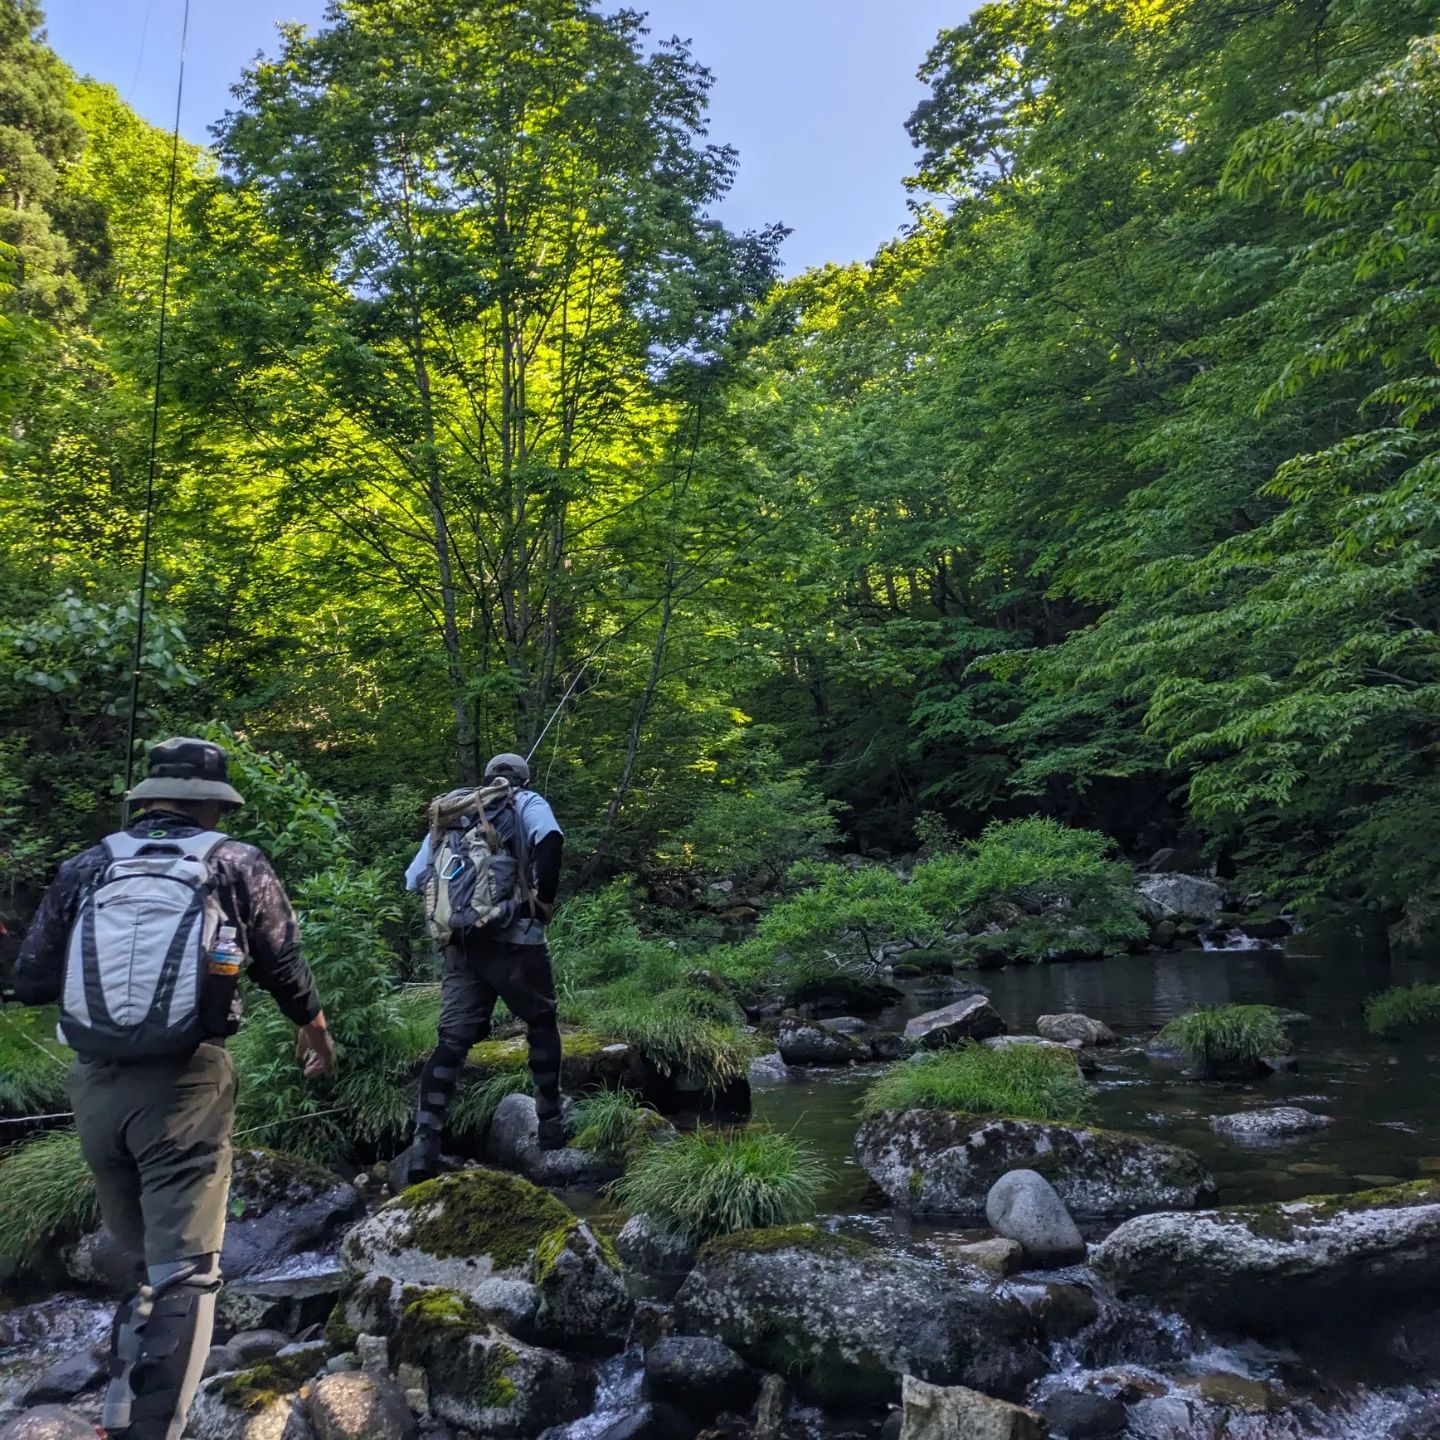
<point>711,1183</point>
<point>1036,878</point>
<point>47,1197</point>
<point>1404,1007</point>
<point>32,1063</point>
<point>1227,1035</point>
<point>341,914</point>
<point>1027,1082</point>
<point>843,917</point>
<point>613,1123</point>
<point>757,831</point>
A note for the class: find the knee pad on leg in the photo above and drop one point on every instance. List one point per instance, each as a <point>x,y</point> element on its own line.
<point>158,1347</point>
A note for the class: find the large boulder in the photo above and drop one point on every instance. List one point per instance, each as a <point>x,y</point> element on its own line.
<point>587,1062</point>
<point>289,1304</point>
<point>953,1412</point>
<point>849,1320</point>
<point>1179,898</point>
<point>502,1244</point>
<point>513,1142</point>
<point>646,1245</point>
<point>482,1378</point>
<point>803,1043</point>
<point>973,1018</point>
<point>258,1403</point>
<point>280,1206</point>
<point>1023,1206</point>
<point>1072,1026</point>
<point>939,1162</point>
<point>1285,1265</point>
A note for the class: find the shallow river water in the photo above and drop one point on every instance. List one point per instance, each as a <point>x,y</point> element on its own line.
<point>1384,1096</point>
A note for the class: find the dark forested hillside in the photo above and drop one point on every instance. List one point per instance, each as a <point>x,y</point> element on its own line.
<point>1106,491</point>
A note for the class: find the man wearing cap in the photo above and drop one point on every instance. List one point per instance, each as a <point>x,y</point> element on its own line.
<point>156,1132</point>
<point>507,961</point>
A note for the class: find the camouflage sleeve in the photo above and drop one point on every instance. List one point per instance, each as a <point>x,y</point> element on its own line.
<point>39,970</point>
<point>270,932</point>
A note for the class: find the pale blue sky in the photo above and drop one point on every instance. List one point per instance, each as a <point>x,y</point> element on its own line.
<point>813,93</point>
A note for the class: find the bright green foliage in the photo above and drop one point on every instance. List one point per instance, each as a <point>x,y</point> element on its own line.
<point>47,1197</point>
<point>615,1124</point>
<point>1025,1082</point>
<point>1403,1007</point>
<point>32,1062</point>
<point>711,1183</point>
<point>1227,1035</point>
<point>757,831</point>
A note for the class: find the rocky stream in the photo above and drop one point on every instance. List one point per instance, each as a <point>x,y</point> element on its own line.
<point>1206,1260</point>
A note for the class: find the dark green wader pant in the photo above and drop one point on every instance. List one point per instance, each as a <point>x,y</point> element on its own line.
<point>156,1135</point>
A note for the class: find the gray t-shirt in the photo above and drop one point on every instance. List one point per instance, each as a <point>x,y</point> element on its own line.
<point>539,822</point>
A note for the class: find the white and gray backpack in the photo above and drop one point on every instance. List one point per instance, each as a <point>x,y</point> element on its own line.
<point>136,962</point>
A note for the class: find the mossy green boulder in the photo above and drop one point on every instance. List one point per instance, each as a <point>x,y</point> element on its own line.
<point>1286,1266</point>
<point>505,1246</point>
<point>482,1378</point>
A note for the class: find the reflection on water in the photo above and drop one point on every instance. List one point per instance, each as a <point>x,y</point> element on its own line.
<point>1384,1096</point>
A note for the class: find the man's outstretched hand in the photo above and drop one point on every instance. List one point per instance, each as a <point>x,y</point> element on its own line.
<point>316,1047</point>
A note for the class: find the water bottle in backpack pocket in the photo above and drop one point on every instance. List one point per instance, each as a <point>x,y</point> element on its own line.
<point>136,967</point>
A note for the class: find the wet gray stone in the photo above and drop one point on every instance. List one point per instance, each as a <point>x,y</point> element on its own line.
<point>67,1378</point>
<point>49,1422</point>
<point>1023,1207</point>
<point>973,1018</point>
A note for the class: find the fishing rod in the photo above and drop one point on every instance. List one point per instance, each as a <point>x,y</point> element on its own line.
<point>154,425</point>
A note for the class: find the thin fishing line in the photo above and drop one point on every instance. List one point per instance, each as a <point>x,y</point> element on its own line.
<point>140,59</point>
<point>155,414</point>
<point>31,1040</point>
<point>570,690</point>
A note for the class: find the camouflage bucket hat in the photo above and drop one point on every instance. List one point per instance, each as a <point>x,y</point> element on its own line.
<point>185,768</point>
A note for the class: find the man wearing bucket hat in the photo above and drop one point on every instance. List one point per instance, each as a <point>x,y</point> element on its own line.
<point>501,958</point>
<point>141,940</point>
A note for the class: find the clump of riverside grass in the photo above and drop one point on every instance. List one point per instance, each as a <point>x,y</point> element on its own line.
<point>613,1123</point>
<point>711,1183</point>
<point>47,1197</point>
<point>1227,1037</point>
<point>1404,1007</point>
<point>1025,1082</point>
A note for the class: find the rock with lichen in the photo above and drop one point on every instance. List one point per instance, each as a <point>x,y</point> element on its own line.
<point>258,1403</point>
<point>848,1321</point>
<point>1290,1264</point>
<point>481,1377</point>
<point>502,1244</point>
<point>1272,1122</point>
<point>940,1162</point>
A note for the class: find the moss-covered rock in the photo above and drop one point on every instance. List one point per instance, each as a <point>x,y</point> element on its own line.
<point>1284,1266</point>
<point>505,1246</point>
<point>481,1377</point>
<point>588,1061</point>
<point>939,1162</point>
<point>848,1321</point>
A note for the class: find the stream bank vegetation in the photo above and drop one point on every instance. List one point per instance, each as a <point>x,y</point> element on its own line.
<point>713,1182</point>
<point>1020,1082</point>
<point>1402,1008</point>
<point>1227,1038</point>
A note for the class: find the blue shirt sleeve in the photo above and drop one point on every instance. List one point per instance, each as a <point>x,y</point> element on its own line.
<point>537,817</point>
<point>418,865</point>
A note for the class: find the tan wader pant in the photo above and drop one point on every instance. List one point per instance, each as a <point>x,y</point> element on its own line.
<point>156,1134</point>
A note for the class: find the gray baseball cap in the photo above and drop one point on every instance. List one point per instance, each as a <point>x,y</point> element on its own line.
<point>514,768</point>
